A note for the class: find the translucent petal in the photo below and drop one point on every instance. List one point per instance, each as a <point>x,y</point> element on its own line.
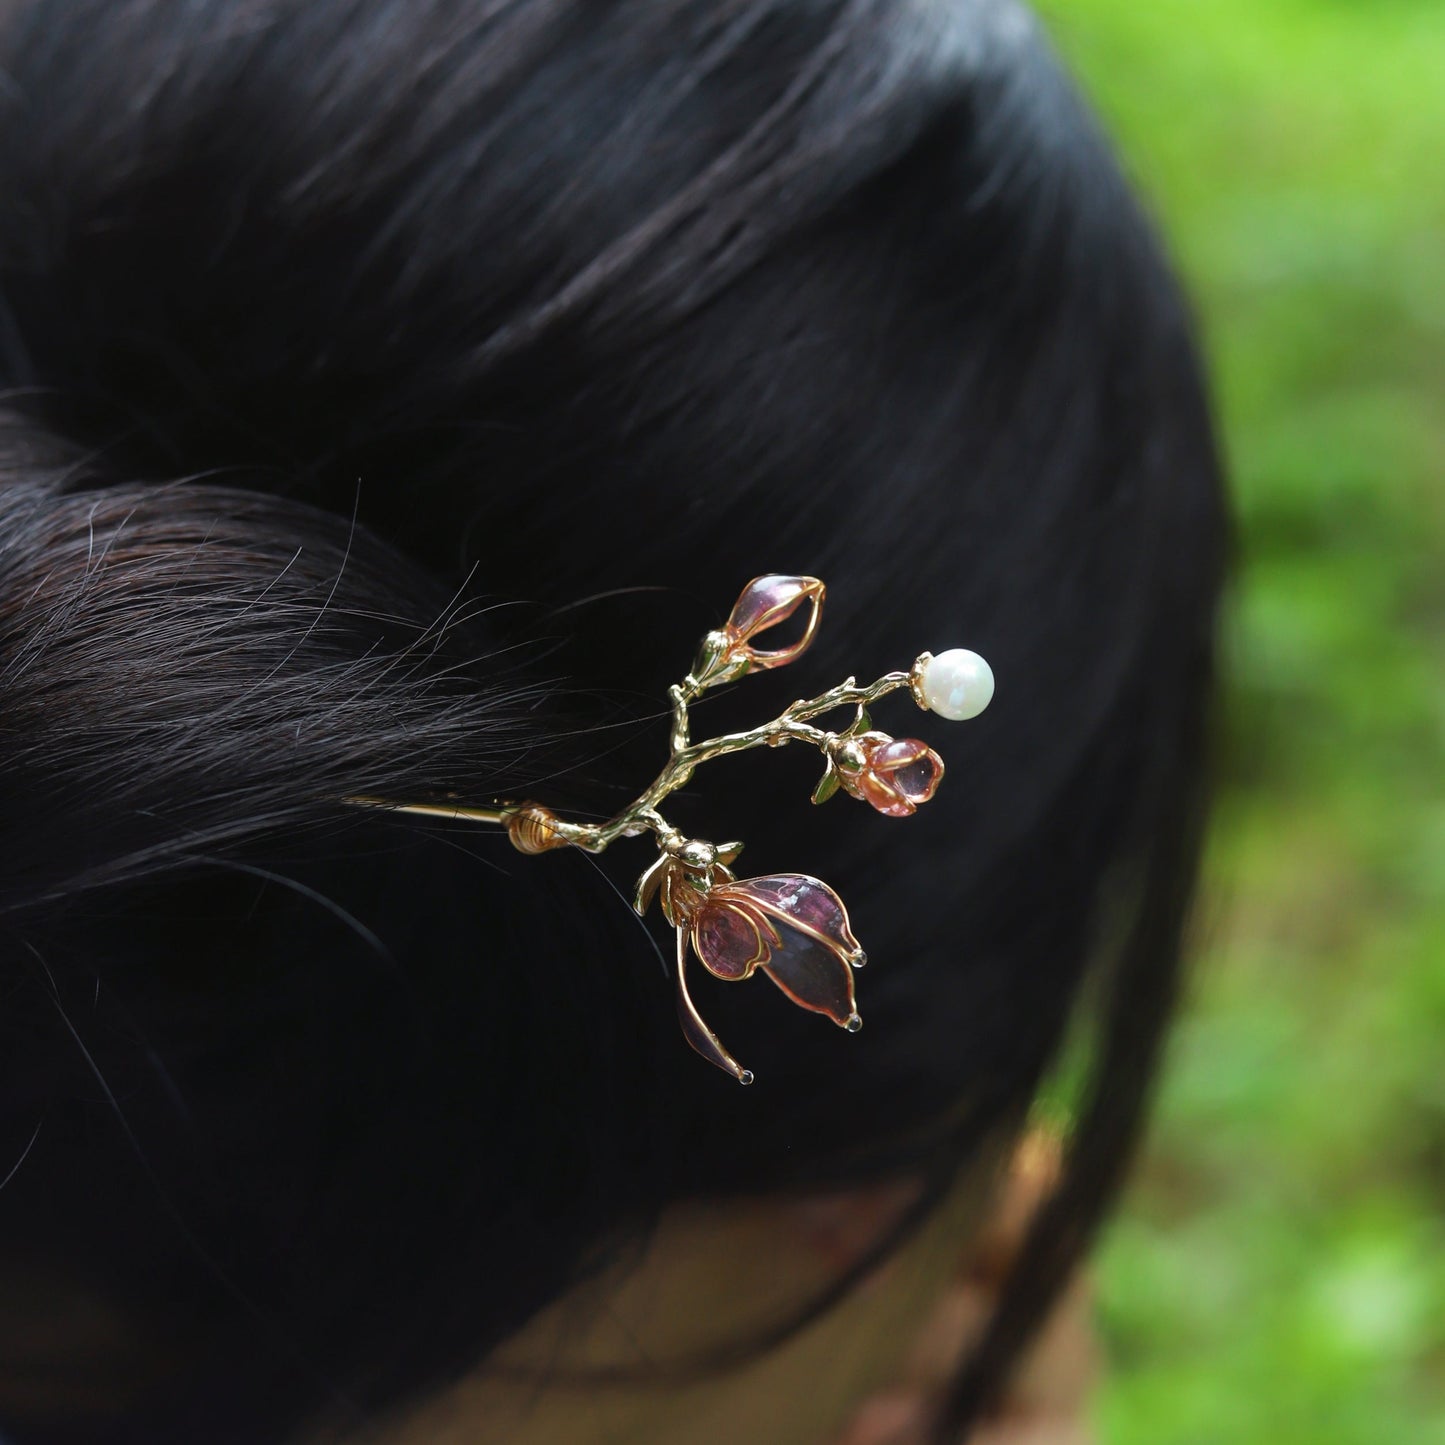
<point>800,901</point>
<point>813,976</point>
<point>878,791</point>
<point>727,940</point>
<point>917,780</point>
<point>910,766</point>
<point>767,601</point>
<point>694,1030</point>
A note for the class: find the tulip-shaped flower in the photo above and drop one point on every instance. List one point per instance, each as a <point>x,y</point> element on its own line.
<point>729,652</point>
<point>792,927</point>
<point>894,775</point>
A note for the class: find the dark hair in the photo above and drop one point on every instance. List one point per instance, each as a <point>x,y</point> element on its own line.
<point>395,390</point>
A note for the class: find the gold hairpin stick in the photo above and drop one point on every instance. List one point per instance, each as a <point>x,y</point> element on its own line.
<point>790,925</point>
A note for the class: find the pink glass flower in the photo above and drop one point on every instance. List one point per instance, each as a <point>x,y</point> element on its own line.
<point>729,653</point>
<point>895,775</point>
<point>764,603</point>
<point>791,926</point>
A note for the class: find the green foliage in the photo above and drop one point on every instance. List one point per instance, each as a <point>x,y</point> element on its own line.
<point>1278,1275</point>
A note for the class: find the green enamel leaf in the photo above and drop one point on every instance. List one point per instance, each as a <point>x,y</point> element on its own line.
<point>827,784</point>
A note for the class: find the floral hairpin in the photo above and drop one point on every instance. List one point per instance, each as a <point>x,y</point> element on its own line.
<point>790,925</point>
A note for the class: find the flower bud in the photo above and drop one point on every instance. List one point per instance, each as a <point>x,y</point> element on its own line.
<point>765,602</point>
<point>894,775</point>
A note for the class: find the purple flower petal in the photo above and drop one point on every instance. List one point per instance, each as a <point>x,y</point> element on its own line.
<point>813,975</point>
<point>802,902</point>
<point>694,1030</point>
<point>727,940</point>
<point>770,599</point>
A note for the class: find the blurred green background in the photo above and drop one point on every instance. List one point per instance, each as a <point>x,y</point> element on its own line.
<point>1278,1274</point>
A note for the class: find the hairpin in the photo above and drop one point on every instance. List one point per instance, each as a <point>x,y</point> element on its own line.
<point>790,925</point>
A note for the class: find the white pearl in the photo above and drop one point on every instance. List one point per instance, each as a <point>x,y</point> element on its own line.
<point>957,684</point>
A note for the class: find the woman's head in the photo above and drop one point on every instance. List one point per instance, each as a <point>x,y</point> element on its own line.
<point>393,394</point>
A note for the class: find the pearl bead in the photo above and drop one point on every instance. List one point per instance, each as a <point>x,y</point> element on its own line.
<point>957,684</point>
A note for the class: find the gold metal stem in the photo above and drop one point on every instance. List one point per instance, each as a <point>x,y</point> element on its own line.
<point>642,815</point>
<point>496,813</point>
